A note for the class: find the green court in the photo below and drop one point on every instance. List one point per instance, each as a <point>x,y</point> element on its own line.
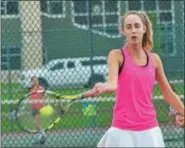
<point>77,130</point>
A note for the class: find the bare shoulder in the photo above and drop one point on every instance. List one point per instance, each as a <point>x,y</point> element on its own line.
<point>115,55</point>
<point>155,56</point>
<point>156,59</point>
<point>115,52</point>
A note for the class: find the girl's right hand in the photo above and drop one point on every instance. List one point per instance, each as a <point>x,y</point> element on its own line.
<point>100,88</point>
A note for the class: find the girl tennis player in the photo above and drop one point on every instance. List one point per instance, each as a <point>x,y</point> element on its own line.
<point>132,73</point>
<point>36,107</point>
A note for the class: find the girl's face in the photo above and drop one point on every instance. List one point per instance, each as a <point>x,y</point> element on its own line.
<point>133,29</point>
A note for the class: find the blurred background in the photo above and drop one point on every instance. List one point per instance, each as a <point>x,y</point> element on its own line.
<point>65,44</point>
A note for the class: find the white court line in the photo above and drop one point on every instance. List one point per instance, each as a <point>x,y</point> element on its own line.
<point>104,99</point>
<point>174,81</point>
<point>97,99</point>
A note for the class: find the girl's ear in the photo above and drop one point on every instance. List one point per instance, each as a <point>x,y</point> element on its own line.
<point>122,31</point>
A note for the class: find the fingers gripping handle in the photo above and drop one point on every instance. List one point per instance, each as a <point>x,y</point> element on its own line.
<point>89,93</point>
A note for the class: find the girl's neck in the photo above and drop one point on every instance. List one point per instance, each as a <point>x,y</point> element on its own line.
<point>136,50</point>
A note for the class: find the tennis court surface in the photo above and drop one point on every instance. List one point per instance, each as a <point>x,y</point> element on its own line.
<point>87,137</point>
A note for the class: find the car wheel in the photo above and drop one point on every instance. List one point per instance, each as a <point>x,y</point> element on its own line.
<point>93,80</point>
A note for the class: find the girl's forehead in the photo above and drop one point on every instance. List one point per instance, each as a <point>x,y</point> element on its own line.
<point>132,19</point>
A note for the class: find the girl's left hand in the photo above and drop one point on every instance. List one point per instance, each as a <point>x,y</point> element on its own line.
<point>180,121</point>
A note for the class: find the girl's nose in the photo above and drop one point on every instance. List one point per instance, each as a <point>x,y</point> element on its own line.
<point>133,29</point>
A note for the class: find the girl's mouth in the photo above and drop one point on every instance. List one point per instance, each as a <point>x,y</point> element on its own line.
<point>134,37</point>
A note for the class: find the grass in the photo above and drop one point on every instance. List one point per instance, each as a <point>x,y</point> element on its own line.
<point>75,118</point>
<point>15,91</point>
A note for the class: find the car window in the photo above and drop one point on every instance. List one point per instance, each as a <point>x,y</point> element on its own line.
<point>58,66</point>
<point>94,62</point>
<point>70,65</point>
<point>99,62</point>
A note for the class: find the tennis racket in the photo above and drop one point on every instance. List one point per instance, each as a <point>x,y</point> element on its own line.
<point>29,117</point>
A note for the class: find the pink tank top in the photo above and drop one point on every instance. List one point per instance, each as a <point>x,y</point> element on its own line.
<point>134,109</point>
<point>36,96</point>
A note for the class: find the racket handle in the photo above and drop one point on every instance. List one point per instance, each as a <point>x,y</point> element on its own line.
<point>86,94</point>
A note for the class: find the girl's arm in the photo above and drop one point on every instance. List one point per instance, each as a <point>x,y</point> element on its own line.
<point>169,95</point>
<point>115,59</point>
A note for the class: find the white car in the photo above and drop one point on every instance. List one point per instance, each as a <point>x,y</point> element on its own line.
<point>68,72</point>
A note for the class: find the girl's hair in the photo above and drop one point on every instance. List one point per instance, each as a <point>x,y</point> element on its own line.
<point>147,42</point>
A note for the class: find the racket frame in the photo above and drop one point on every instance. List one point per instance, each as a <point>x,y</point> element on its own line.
<point>73,99</point>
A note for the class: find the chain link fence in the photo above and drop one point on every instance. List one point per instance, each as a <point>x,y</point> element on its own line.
<point>65,44</point>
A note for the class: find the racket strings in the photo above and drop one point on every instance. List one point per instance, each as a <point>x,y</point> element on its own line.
<point>30,117</point>
<point>28,113</point>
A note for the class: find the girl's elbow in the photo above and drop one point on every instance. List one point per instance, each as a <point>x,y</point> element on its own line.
<point>170,95</point>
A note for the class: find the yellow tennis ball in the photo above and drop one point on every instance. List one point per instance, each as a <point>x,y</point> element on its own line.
<point>46,111</point>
